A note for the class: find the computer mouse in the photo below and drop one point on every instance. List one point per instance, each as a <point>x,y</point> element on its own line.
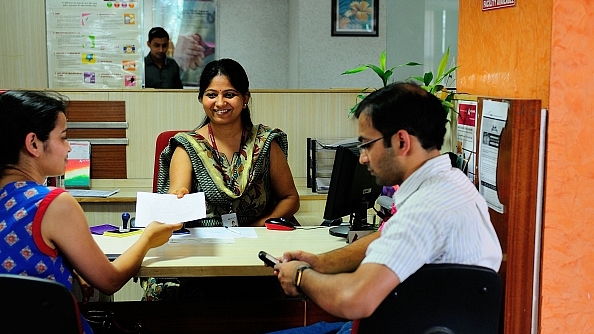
<point>279,223</point>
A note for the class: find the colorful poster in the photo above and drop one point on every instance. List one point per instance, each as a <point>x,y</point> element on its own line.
<point>94,44</point>
<point>189,23</point>
<point>78,167</point>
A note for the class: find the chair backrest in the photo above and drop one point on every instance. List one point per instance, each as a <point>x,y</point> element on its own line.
<point>441,298</point>
<point>35,305</point>
<point>160,144</point>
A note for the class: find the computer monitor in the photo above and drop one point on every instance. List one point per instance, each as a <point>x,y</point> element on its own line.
<point>353,190</point>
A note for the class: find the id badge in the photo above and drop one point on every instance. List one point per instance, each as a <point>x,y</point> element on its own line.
<point>230,220</point>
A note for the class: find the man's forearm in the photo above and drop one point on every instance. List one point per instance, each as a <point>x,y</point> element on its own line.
<point>345,259</point>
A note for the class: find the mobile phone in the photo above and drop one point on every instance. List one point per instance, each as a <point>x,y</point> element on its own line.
<point>268,259</point>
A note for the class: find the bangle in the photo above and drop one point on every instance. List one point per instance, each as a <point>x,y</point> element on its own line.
<point>299,275</point>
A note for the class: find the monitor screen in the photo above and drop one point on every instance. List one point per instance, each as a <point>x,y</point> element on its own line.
<point>352,190</point>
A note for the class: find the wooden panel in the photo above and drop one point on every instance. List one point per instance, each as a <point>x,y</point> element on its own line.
<point>96,111</point>
<point>96,133</point>
<point>210,316</point>
<point>108,162</point>
<point>517,171</point>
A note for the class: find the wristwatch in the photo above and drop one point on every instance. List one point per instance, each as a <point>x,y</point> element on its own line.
<point>299,274</point>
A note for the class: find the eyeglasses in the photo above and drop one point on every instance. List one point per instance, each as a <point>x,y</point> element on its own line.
<point>364,146</point>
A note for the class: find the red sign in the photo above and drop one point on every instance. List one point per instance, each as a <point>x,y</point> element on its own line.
<point>496,4</point>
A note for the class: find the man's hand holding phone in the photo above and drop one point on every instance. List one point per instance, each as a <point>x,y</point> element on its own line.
<point>268,259</point>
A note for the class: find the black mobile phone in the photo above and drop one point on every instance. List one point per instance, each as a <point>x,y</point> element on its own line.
<point>268,259</point>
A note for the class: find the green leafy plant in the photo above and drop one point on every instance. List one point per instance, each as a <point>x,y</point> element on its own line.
<point>429,82</point>
<point>380,70</point>
<point>434,84</point>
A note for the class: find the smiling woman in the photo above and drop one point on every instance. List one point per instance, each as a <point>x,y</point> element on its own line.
<point>241,167</point>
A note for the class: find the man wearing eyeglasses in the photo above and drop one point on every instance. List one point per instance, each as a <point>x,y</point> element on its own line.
<point>440,218</point>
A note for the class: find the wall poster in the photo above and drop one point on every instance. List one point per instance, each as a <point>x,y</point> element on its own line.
<point>94,44</point>
<point>466,132</point>
<point>493,120</point>
<point>191,25</point>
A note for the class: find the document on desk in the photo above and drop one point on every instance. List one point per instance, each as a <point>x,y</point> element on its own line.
<point>214,235</point>
<point>167,208</point>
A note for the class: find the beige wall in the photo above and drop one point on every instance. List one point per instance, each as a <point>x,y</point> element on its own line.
<point>301,114</point>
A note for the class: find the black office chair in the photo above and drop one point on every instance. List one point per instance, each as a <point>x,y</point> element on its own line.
<point>441,299</point>
<point>35,305</point>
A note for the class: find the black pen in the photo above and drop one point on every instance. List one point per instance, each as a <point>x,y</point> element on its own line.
<point>232,230</point>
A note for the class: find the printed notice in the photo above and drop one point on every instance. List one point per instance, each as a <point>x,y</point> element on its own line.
<point>493,120</point>
<point>467,136</point>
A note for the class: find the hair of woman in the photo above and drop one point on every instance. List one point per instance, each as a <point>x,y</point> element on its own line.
<point>24,112</point>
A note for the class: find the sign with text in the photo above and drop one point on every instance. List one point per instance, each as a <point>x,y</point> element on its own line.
<point>496,4</point>
<point>94,44</point>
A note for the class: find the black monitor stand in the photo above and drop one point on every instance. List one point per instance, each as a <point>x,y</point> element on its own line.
<point>341,231</point>
<point>358,222</point>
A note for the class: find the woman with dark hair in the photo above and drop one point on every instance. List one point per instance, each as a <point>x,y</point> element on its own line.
<point>242,168</point>
<point>43,230</point>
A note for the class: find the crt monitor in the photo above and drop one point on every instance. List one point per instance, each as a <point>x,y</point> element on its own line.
<point>353,190</point>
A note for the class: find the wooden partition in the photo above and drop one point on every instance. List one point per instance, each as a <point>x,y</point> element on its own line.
<point>103,123</point>
<point>301,114</point>
<point>518,227</point>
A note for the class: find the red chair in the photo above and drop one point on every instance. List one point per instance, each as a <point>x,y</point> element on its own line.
<point>160,144</point>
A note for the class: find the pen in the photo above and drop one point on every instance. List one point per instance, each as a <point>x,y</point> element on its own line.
<point>232,230</point>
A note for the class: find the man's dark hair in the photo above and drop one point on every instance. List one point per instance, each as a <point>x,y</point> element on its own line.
<point>157,32</point>
<point>406,106</point>
<point>236,75</point>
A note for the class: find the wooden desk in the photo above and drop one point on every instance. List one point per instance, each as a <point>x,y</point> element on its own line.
<point>224,259</point>
<point>236,260</point>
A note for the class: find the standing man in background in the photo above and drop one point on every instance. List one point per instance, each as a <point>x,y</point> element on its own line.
<point>160,71</point>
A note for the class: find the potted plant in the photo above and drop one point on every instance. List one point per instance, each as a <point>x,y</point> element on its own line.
<point>433,84</point>
<point>380,70</point>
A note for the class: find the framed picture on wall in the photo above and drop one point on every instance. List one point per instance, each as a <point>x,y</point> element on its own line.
<point>355,18</point>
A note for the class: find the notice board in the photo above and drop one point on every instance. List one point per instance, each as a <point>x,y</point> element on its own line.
<point>94,44</point>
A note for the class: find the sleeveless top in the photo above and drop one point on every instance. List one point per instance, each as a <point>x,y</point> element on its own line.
<point>22,248</point>
<point>242,185</point>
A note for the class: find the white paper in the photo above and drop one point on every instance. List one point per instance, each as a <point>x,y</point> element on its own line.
<point>214,235</point>
<point>493,120</point>
<point>167,208</point>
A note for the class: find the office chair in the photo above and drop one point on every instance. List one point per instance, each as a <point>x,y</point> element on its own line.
<point>440,298</point>
<point>160,144</point>
<point>35,305</point>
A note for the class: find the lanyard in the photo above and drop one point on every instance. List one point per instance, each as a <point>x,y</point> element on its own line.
<point>214,143</point>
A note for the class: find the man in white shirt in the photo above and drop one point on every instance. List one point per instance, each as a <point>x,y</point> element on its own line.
<point>440,218</point>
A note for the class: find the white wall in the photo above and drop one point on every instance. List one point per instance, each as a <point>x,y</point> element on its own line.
<point>281,43</point>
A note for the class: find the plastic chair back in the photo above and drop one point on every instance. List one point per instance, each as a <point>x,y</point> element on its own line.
<point>441,298</point>
<point>35,305</point>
